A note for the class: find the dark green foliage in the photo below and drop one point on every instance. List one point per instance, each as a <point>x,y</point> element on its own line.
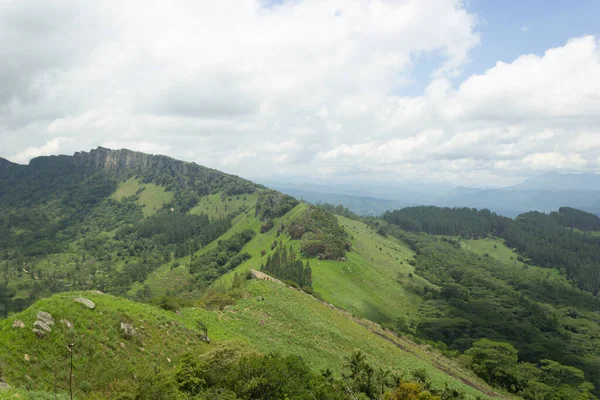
<point>267,226</point>
<point>231,373</point>
<point>480,298</point>
<point>576,219</point>
<point>467,222</point>
<point>338,210</point>
<point>272,204</point>
<point>547,243</point>
<point>60,229</point>
<point>497,363</point>
<point>172,227</point>
<point>540,237</point>
<point>321,234</point>
<point>285,265</point>
<point>223,258</point>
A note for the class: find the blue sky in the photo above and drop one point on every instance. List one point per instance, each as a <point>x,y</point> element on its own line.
<point>511,28</point>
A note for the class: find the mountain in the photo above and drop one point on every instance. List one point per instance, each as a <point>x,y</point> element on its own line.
<point>544,193</point>
<point>6,165</point>
<point>561,182</point>
<point>362,205</point>
<point>297,302</point>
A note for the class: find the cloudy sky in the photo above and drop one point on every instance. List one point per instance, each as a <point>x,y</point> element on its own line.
<point>474,93</point>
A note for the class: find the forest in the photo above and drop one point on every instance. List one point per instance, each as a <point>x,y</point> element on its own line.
<point>519,309</point>
<point>541,238</point>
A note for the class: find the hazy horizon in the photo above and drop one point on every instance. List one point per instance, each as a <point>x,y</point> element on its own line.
<point>438,91</point>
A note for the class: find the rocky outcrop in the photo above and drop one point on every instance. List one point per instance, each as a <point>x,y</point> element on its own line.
<point>43,324</point>
<point>85,302</point>
<point>128,330</point>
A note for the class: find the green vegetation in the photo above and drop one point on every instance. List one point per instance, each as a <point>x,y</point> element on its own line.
<point>285,265</point>
<point>272,204</point>
<point>490,292</point>
<point>219,205</point>
<point>103,220</point>
<point>514,302</point>
<point>320,233</point>
<point>283,326</point>
<point>149,196</point>
<point>540,237</point>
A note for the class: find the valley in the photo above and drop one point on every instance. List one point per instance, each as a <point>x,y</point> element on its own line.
<point>459,303</point>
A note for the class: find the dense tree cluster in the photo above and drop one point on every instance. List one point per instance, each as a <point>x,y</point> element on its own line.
<point>228,372</point>
<point>467,222</point>
<point>338,210</point>
<point>540,237</point>
<point>320,234</point>
<point>285,265</point>
<point>548,244</point>
<point>214,263</point>
<point>497,363</point>
<point>272,204</point>
<point>542,316</point>
<point>576,219</point>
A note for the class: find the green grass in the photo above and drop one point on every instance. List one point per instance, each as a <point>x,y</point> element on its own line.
<point>165,279</point>
<point>102,356</point>
<point>262,241</point>
<point>126,189</point>
<point>218,205</point>
<point>287,321</point>
<point>495,248</point>
<point>151,197</point>
<point>374,280</point>
<point>371,283</point>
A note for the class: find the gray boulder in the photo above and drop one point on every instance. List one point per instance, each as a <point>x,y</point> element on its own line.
<point>42,326</point>
<point>128,330</point>
<point>45,317</point>
<point>86,302</point>
<point>38,333</point>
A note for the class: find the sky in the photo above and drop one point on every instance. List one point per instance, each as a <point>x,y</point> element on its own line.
<point>479,92</point>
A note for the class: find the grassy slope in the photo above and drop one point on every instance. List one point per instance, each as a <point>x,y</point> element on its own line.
<point>371,283</point>
<point>151,198</point>
<point>495,247</point>
<point>374,280</point>
<point>100,359</point>
<point>217,206</point>
<point>287,321</point>
<point>166,278</point>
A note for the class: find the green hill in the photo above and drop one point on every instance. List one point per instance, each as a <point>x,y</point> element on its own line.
<point>461,292</point>
<point>286,321</point>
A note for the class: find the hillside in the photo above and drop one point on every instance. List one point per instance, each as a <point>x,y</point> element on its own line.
<point>286,321</point>
<point>73,222</point>
<point>453,288</point>
<point>530,283</point>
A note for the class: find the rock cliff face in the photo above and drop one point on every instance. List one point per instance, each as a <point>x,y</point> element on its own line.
<point>123,164</point>
<point>119,162</point>
<point>115,162</point>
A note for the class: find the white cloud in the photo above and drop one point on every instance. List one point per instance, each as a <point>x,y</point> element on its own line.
<point>309,87</point>
<point>51,147</point>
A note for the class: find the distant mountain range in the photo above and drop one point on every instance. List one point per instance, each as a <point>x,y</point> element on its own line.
<point>543,193</point>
